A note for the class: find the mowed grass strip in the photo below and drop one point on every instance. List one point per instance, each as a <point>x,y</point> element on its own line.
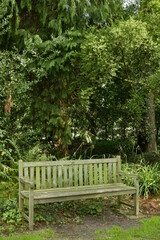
<point>149,230</point>
<point>45,234</point>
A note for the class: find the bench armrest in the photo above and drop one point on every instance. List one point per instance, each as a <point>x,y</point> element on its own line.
<point>131,175</point>
<point>25,181</point>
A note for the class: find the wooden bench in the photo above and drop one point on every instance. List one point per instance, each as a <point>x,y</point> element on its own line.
<point>56,181</point>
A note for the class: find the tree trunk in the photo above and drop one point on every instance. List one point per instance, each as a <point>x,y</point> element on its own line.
<point>151,143</point>
<point>147,133</point>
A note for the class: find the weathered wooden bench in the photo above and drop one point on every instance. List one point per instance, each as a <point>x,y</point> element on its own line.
<point>56,181</point>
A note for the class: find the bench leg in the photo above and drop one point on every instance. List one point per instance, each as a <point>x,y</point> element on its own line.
<point>136,203</point>
<point>31,210</point>
<point>20,203</point>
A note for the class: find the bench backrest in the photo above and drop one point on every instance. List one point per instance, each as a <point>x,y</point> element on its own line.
<point>56,174</point>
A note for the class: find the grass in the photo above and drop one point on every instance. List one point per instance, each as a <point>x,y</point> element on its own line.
<point>149,230</point>
<point>45,234</point>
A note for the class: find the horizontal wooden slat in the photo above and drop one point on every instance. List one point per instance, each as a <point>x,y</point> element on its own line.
<point>68,162</point>
<point>81,197</point>
<point>109,185</point>
<point>80,191</point>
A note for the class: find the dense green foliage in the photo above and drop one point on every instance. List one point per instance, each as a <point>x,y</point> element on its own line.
<point>79,79</point>
<point>149,182</point>
<point>10,215</point>
<point>75,75</point>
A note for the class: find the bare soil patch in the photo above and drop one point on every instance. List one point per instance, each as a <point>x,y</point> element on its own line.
<point>112,216</point>
<point>86,229</point>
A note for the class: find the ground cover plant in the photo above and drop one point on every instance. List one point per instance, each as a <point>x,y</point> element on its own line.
<point>49,214</point>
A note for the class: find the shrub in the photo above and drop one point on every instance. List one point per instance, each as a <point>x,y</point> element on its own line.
<point>10,215</point>
<point>149,181</point>
<point>152,157</point>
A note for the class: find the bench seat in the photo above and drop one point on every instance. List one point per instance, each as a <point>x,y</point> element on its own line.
<point>81,192</point>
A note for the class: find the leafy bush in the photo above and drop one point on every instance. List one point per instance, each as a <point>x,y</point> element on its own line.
<point>149,181</point>
<point>36,153</point>
<point>10,215</point>
<point>90,207</point>
<point>106,147</point>
<point>113,147</point>
<point>9,156</point>
<point>152,157</point>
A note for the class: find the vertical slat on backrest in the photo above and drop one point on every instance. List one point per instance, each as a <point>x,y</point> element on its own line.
<point>119,168</point>
<point>20,169</point>
<point>95,173</point>
<point>49,177</point>
<point>65,176</point>
<point>37,177</point>
<point>75,175</point>
<point>114,172</point>
<point>105,173</point>
<point>70,176</point>
<point>110,172</point>
<point>59,176</point>
<point>26,175</point>
<point>80,175</point>
<point>90,174</point>
<point>54,177</point>
<point>100,174</point>
<point>86,174</point>
<point>26,172</point>
<point>32,174</point>
<point>43,177</point>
